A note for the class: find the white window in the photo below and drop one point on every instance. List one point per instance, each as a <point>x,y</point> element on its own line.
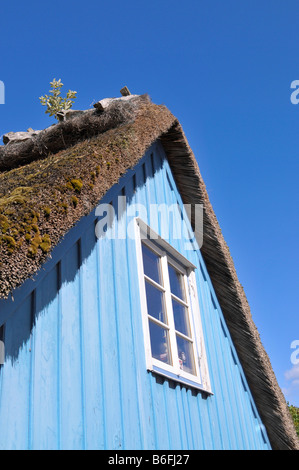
<point>171,319</point>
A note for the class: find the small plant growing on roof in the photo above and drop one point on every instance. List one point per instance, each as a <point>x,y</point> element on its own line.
<point>55,102</point>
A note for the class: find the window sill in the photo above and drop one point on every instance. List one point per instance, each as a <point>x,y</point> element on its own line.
<point>179,379</point>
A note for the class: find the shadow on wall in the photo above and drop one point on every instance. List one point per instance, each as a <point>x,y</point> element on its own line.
<point>74,250</point>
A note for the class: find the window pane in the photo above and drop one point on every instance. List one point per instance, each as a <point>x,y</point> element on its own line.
<point>186,355</point>
<point>160,343</point>
<point>155,303</point>
<point>151,263</point>
<point>181,320</point>
<point>176,282</point>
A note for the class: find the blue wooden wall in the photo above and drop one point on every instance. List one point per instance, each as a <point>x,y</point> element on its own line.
<point>75,374</point>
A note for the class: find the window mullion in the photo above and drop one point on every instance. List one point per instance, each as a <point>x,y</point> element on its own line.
<point>158,322</point>
<point>154,283</point>
<point>187,338</point>
<point>170,318</point>
<point>179,301</point>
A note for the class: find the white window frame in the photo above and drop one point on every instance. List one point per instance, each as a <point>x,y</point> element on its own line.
<point>200,380</point>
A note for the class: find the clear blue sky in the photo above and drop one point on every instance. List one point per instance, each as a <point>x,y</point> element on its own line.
<point>224,68</point>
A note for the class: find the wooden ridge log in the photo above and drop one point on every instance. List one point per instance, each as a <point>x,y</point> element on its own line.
<point>67,133</point>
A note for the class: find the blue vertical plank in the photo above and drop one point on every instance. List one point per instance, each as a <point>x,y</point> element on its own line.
<point>72,424</point>
<point>110,361</point>
<point>126,353</point>
<point>93,386</point>
<point>203,413</point>
<point>174,424</point>
<point>44,371</point>
<point>223,376</point>
<point>160,416</point>
<point>218,385</point>
<point>157,193</point>
<point>15,386</point>
<point>204,403</point>
<point>186,394</point>
<point>239,423</point>
<point>249,418</point>
<point>181,417</point>
<point>151,190</point>
<point>196,422</point>
<point>175,220</point>
<point>216,416</point>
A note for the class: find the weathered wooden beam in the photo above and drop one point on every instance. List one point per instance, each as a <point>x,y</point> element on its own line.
<point>125,91</point>
<point>83,125</point>
<point>14,137</point>
<point>106,102</point>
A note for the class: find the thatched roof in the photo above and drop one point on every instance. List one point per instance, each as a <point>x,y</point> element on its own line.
<point>58,176</point>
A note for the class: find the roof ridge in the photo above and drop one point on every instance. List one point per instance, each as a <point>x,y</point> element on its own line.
<point>75,125</point>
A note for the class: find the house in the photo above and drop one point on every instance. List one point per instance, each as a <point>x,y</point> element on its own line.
<point>122,317</point>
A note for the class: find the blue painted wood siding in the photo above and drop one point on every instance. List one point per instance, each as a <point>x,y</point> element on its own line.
<point>75,374</point>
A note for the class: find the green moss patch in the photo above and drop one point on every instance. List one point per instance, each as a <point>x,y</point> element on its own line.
<point>10,243</point>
